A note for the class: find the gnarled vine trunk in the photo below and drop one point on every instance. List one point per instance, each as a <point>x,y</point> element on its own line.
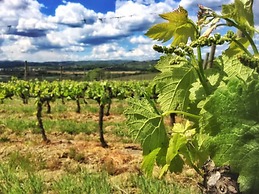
<point>101,114</point>
<point>219,180</point>
<point>40,123</point>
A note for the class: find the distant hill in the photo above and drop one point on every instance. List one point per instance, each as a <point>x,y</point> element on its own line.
<point>76,70</point>
<point>119,65</point>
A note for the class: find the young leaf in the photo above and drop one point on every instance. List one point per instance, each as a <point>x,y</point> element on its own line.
<point>161,32</point>
<point>144,118</point>
<point>149,161</point>
<point>176,142</point>
<point>242,13</point>
<point>178,26</point>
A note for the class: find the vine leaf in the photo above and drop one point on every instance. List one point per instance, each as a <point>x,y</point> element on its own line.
<point>174,87</point>
<point>178,26</point>
<point>231,117</point>
<point>233,67</point>
<point>146,121</point>
<point>242,13</point>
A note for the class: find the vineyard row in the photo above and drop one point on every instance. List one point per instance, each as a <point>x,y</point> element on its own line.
<point>44,92</point>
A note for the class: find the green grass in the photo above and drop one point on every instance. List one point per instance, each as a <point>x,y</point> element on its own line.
<point>19,173</point>
<point>13,182</point>
<point>83,182</point>
<point>70,126</point>
<point>24,180</point>
<point>152,185</point>
<point>18,176</point>
<point>19,124</point>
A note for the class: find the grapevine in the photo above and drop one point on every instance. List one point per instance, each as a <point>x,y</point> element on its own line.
<point>44,92</point>
<point>220,114</point>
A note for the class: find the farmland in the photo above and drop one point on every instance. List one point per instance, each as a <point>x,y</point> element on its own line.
<point>74,160</point>
<point>77,70</point>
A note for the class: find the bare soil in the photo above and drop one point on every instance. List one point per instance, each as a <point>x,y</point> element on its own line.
<point>68,152</point>
<point>72,152</point>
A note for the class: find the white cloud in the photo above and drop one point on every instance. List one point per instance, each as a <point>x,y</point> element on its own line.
<point>34,24</point>
<point>139,40</point>
<point>77,33</point>
<point>214,4</point>
<point>73,14</point>
<point>17,9</point>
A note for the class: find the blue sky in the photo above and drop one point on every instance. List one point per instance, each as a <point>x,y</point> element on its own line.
<point>102,6</point>
<point>59,30</point>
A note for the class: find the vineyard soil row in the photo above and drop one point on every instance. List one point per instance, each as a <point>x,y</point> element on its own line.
<point>75,146</point>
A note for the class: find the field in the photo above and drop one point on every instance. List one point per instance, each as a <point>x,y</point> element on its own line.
<point>74,161</point>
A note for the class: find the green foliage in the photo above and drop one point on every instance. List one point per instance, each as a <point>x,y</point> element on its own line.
<point>178,26</point>
<point>234,129</point>
<point>221,101</point>
<point>146,119</point>
<point>241,12</point>
<point>174,85</point>
<point>95,74</point>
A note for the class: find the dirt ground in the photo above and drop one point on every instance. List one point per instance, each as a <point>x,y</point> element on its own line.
<point>68,152</point>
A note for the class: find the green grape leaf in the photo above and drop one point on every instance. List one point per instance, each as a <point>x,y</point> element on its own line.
<point>235,49</point>
<point>144,118</point>
<point>214,76</point>
<point>183,33</point>
<point>242,13</point>
<point>161,32</point>
<point>231,117</point>
<point>149,161</point>
<point>181,148</point>
<point>176,142</point>
<point>178,26</point>
<point>167,62</point>
<point>233,67</point>
<point>174,87</point>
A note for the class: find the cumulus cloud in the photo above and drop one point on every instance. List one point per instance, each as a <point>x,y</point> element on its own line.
<point>23,18</point>
<point>214,4</point>
<point>74,32</point>
<point>73,15</point>
<point>139,40</point>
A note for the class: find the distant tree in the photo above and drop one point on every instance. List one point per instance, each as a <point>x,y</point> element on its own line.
<point>95,74</point>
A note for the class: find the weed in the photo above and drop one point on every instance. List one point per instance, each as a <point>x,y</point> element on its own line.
<point>12,181</point>
<point>4,139</point>
<point>152,185</point>
<point>73,154</point>
<point>83,182</point>
<point>18,161</point>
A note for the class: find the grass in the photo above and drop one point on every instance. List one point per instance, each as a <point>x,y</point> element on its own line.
<point>18,175</point>
<point>24,172</point>
<point>20,124</point>
<point>151,185</point>
<point>83,182</point>
<point>13,182</point>
<point>20,179</point>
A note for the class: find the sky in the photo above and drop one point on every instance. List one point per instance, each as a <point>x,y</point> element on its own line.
<point>78,30</point>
